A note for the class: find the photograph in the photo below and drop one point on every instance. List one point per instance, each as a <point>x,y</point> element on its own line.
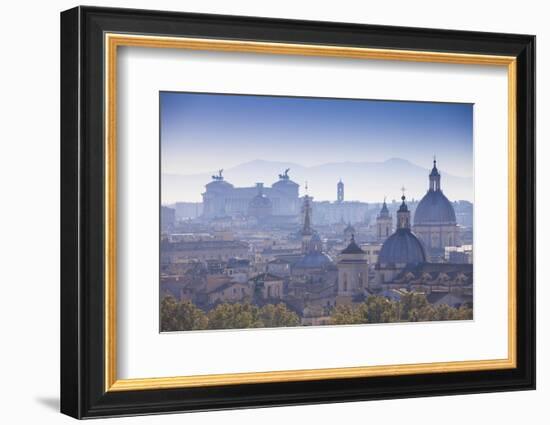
<point>283,211</point>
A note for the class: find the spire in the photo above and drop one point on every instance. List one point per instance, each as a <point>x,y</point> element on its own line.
<point>383,222</point>
<point>384,212</point>
<point>307,230</point>
<point>435,178</point>
<point>403,214</point>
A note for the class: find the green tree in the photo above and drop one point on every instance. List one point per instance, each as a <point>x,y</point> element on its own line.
<point>346,315</point>
<point>424,314</point>
<point>234,316</point>
<point>273,316</point>
<point>379,310</point>
<point>181,316</point>
<point>464,313</point>
<point>168,319</point>
<point>444,312</point>
<point>412,306</point>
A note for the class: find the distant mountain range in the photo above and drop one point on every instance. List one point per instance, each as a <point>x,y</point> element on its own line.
<point>364,181</point>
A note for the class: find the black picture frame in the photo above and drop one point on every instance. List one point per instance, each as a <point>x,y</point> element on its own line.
<point>83,392</point>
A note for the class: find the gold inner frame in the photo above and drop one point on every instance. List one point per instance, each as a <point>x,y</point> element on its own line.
<point>113,41</point>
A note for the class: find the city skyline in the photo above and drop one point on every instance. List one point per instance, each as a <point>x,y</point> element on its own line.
<point>198,129</point>
<point>357,176</point>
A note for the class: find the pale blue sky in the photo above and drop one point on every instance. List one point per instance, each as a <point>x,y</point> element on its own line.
<point>205,132</point>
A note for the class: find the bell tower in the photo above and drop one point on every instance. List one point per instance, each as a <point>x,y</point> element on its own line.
<point>353,270</point>
<point>340,191</point>
<point>384,223</point>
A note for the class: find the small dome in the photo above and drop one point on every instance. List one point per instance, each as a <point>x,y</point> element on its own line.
<point>403,247</point>
<point>434,208</point>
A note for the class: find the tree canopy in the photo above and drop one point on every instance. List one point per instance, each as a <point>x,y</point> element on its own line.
<point>412,307</point>
<point>185,316</point>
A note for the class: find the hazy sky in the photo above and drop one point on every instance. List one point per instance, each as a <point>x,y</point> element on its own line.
<point>205,132</point>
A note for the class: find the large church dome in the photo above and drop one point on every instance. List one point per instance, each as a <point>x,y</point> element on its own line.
<point>403,247</point>
<point>434,208</point>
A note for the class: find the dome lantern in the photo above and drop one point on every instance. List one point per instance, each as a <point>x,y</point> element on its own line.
<point>435,178</point>
<point>403,214</point>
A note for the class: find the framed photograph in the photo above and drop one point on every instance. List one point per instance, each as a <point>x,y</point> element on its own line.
<point>261,212</point>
